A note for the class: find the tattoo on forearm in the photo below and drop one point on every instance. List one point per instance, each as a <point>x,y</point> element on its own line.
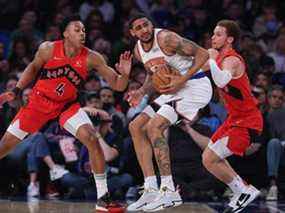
<point>161,151</point>
<point>186,47</point>
<point>182,46</point>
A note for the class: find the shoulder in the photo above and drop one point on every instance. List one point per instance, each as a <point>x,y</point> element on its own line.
<point>45,50</point>
<point>94,58</point>
<point>233,60</point>
<point>235,65</point>
<point>168,38</point>
<point>46,46</point>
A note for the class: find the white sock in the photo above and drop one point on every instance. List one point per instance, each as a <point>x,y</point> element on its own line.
<point>101,184</point>
<point>150,182</point>
<point>237,185</point>
<point>167,181</point>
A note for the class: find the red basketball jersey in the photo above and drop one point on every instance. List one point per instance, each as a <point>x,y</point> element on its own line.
<point>239,101</point>
<point>61,77</point>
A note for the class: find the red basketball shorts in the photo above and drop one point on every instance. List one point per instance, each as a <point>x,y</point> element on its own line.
<point>229,140</point>
<point>40,110</point>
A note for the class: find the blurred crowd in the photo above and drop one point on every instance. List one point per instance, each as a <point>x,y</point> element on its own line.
<point>52,163</point>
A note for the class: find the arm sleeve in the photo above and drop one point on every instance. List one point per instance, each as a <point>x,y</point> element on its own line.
<point>220,77</point>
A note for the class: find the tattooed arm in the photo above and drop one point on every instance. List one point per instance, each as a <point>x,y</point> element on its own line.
<point>173,43</point>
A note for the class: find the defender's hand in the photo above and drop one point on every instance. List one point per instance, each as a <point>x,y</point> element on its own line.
<point>125,64</point>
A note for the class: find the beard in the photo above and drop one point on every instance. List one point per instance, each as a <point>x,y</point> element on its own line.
<point>150,40</point>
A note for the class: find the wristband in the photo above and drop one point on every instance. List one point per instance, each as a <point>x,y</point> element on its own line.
<point>17,91</point>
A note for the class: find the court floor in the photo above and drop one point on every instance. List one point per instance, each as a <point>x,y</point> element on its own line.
<point>48,206</point>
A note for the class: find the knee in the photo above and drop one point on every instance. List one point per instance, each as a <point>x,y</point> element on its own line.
<point>89,139</point>
<point>206,159</point>
<point>134,127</point>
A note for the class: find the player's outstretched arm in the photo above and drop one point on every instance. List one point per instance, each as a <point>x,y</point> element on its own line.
<point>43,54</point>
<point>117,81</point>
<point>174,43</point>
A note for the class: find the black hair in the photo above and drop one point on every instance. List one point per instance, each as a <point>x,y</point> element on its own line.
<point>92,77</point>
<point>92,95</point>
<point>105,88</point>
<point>67,21</point>
<point>135,17</point>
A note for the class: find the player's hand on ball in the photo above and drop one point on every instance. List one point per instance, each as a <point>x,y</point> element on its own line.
<point>176,83</point>
<point>213,53</point>
<point>125,64</point>
<point>134,97</point>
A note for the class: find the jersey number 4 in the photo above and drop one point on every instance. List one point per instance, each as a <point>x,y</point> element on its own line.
<point>60,89</point>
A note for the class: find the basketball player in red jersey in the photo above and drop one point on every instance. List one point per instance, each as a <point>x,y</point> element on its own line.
<point>228,70</point>
<point>62,67</point>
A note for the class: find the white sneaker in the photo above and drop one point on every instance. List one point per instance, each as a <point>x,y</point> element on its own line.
<point>33,190</point>
<point>57,172</point>
<point>272,193</point>
<point>240,200</point>
<point>166,199</point>
<point>148,196</point>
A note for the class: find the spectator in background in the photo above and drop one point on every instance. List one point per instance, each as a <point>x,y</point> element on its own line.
<point>10,109</point>
<point>122,44</point>
<point>45,146</point>
<point>262,79</point>
<point>275,98</point>
<point>94,22</point>
<point>92,84</point>
<point>107,97</point>
<point>278,54</point>
<point>27,29</point>
<point>260,94</point>
<point>267,22</point>
<point>102,46</point>
<point>104,6</point>
<point>20,55</point>
<point>275,147</point>
<point>4,67</point>
<point>93,101</point>
<point>52,33</point>
<point>163,13</point>
<point>208,119</point>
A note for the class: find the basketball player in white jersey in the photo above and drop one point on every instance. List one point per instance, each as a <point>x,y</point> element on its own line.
<point>183,96</point>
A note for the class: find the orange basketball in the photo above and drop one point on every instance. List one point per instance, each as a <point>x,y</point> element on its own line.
<point>159,79</point>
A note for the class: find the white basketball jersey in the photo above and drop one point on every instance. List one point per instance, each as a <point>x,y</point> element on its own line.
<point>156,56</point>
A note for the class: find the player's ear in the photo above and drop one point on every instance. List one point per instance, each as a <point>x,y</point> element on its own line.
<point>132,32</point>
<point>230,39</point>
